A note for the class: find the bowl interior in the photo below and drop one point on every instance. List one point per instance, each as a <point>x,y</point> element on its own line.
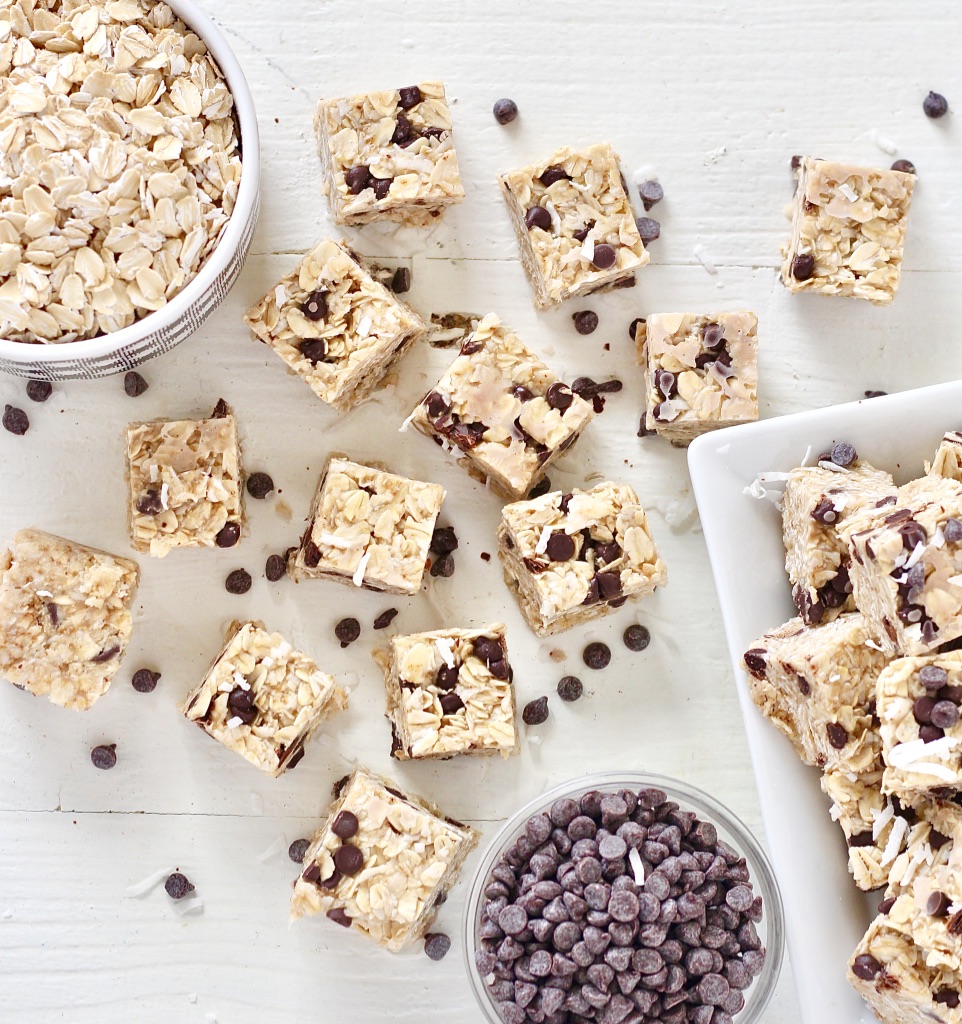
<point>730,829</point>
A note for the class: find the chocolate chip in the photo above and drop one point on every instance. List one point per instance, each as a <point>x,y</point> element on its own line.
<point>238,582</point>
<point>298,850</point>
<point>945,714</point>
<point>15,420</point>
<point>447,677</point>
<point>144,680</point>
<point>314,350</point>
<point>952,530</point>
<point>275,568</point>
<point>876,394</point>
<point>403,131</point>
<point>339,916</point>
<point>906,166</point>
<point>178,886</point>
<point>603,257</point>
<point>537,217</point>
<point>314,307</point>
<point>933,677</point>
<point>345,825</point>
<point>930,733</point>
<point>947,997</point>
<point>559,396</point>
<point>570,688</point>
<point>636,637</point>
<point>648,228</point>
<point>149,503</point>
<point>401,281</point>
<point>443,566</point>
<point>505,111</point>
<point>634,325</point>
<point>803,266</point>
<point>451,704</point>
<point>385,618</point>
<point>39,390</point>
<point>935,105</point>
<point>560,547</point>
<point>228,535</point>
<point>348,859</point>
<point>134,384</point>
<point>437,405</point>
<point>436,945</point>
<point>922,710</point>
<point>837,735</point>
<point>596,655</point>
<point>347,631</point>
<point>843,454</point>
<point>938,904</point>
<point>650,193</point>
<point>444,540</point>
<point>552,174</point>
<point>220,410</point>
<point>104,756</point>
<point>824,512</point>
<point>409,96</point>
<point>240,704</point>
<point>585,321</point>
<point>665,382</point>
<point>259,485</point>
<point>535,711</point>
<point>381,187</point>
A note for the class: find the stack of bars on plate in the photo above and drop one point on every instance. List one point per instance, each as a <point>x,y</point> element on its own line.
<point>867,684</point>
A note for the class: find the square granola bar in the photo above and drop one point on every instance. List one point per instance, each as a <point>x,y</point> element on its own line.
<point>817,686</point>
<point>848,228</point>
<point>450,692</point>
<point>335,326</point>
<point>700,372</point>
<point>65,617</point>
<point>818,500</point>
<point>382,862</point>
<point>184,479</point>
<point>571,558</point>
<point>368,528</point>
<point>574,223</point>
<point>388,155</point>
<point>262,698</point>
<point>502,410</point>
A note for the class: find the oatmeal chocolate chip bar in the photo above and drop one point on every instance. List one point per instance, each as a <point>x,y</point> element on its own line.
<point>906,568</point>
<point>918,704</point>
<point>848,227</point>
<point>876,827</point>
<point>504,413</point>
<point>948,458</point>
<point>65,617</point>
<point>817,686</point>
<point>335,326</point>
<point>888,970</point>
<point>570,558</point>
<point>574,223</point>
<point>699,372</point>
<point>368,528</point>
<point>184,479</point>
<point>817,501</point>
<point>450,692</point>
<point>382,862</point>
<point>263,699</point>
<point>388,155</point>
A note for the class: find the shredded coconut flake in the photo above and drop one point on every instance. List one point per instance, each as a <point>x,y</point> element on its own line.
<point>358,578</point>
<point>233,723</point>
<point>7,915</point>
<point>164,491</point>
<point>917,553</point>
<point>329,540</point>
<point>846,190</point>
<point>542,544</point>
<point>831,466</point>
<point>899,827</point>
<point>588,248</point>
<point>445,648</point>
<point>637,867</point>
<point>884,143</point>
<point>150,882</point>
<point>402,429</point>
<point>279,844</point>
<point>882,818</point>
<point>703,258</point>
<point>364,327</point>
<point>873,644</point>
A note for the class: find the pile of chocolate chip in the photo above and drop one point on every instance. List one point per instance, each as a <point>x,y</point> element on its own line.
<point>619,908</point>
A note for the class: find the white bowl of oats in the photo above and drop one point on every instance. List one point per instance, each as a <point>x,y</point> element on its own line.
<point>129,181</point>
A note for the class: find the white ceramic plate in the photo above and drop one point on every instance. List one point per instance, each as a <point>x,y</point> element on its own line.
<point>825,914</point>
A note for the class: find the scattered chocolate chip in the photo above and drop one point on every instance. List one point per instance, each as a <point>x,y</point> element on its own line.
<point>149,503</point>
<point>409,96</point>
<point>134,384</point>
<point>560,547</point>
<point>347,631</point>
<point>634,325</point>
<point>843,454</point>
<point>178,886</point>
<point>443,566</point>
<point>875,394</point>
<point>537,217</point>
<point>339,916</point>
<point>259,485</point>
<point>314,350</point>
<point>220,410</point>
<point>603,257</point>
<point>447,678</point>
<point>385,618</point>
<point>650,193</point>
<point>837,735</point>
<point>144,680</point>
<point>947,997</point>
<point>228,535</point>
<point>104,756</point>
<point>451,703</point>
<point>535,711</point>
<point>238,582</point>
<point>585,321</point>
<point>938,904</point>
<point>345,825</point>
<point>357,179</point>
<point>15,420</point>
<point>437,944</point>
<point>945,714</point>
<point>933,677</point>
<point>803,266</point>
<point>636,637</point>
<point>559,396</point>
<point>952,530</point>
<point>935,105</point>
<point>275,568</point>
<point>505,111</point>
<point>401,281</point>
<point>382,186</point>
<point>596,655</point>
<point>39,390</point>
<point>570,688</point>
<point>314,306</point>
<point>403,130</point>
<point>552,174</point>
<point>298,849</point>
<point>348,859</point>
<point>906,166</point>
<point>866,967</point>
<point>541,487</point>
<point>443,541</point>
<point>648,228</point>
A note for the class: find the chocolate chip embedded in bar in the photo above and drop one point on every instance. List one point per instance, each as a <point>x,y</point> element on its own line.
<point>502,411</point>
<point>184,482</point>
<point>700,372</point>
<point>263,699</point>
<point>574,223</point>
<point>382,862</point>
<point>818,500</point>
<point>906,567</point>
<point>948,458</point>
<point>335,326</point>
<point>450,692</point>
<point>817,686</point>
<point>65,617</point>
<point>848,228</point>
<point>368,528</point>
<point>388,155</point>
<point>570,558</point>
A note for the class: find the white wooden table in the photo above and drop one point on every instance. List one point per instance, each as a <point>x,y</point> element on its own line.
<point>711,97</point>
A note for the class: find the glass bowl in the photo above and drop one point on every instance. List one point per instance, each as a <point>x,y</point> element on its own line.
<point>771,929</point>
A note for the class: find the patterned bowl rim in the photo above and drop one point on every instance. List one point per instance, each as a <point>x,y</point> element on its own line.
<point>219,259</point>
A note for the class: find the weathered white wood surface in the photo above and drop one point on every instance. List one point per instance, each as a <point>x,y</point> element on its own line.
<point>713,98</point>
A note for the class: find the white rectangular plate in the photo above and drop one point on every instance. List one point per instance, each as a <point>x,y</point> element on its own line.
<point>825,914</point>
